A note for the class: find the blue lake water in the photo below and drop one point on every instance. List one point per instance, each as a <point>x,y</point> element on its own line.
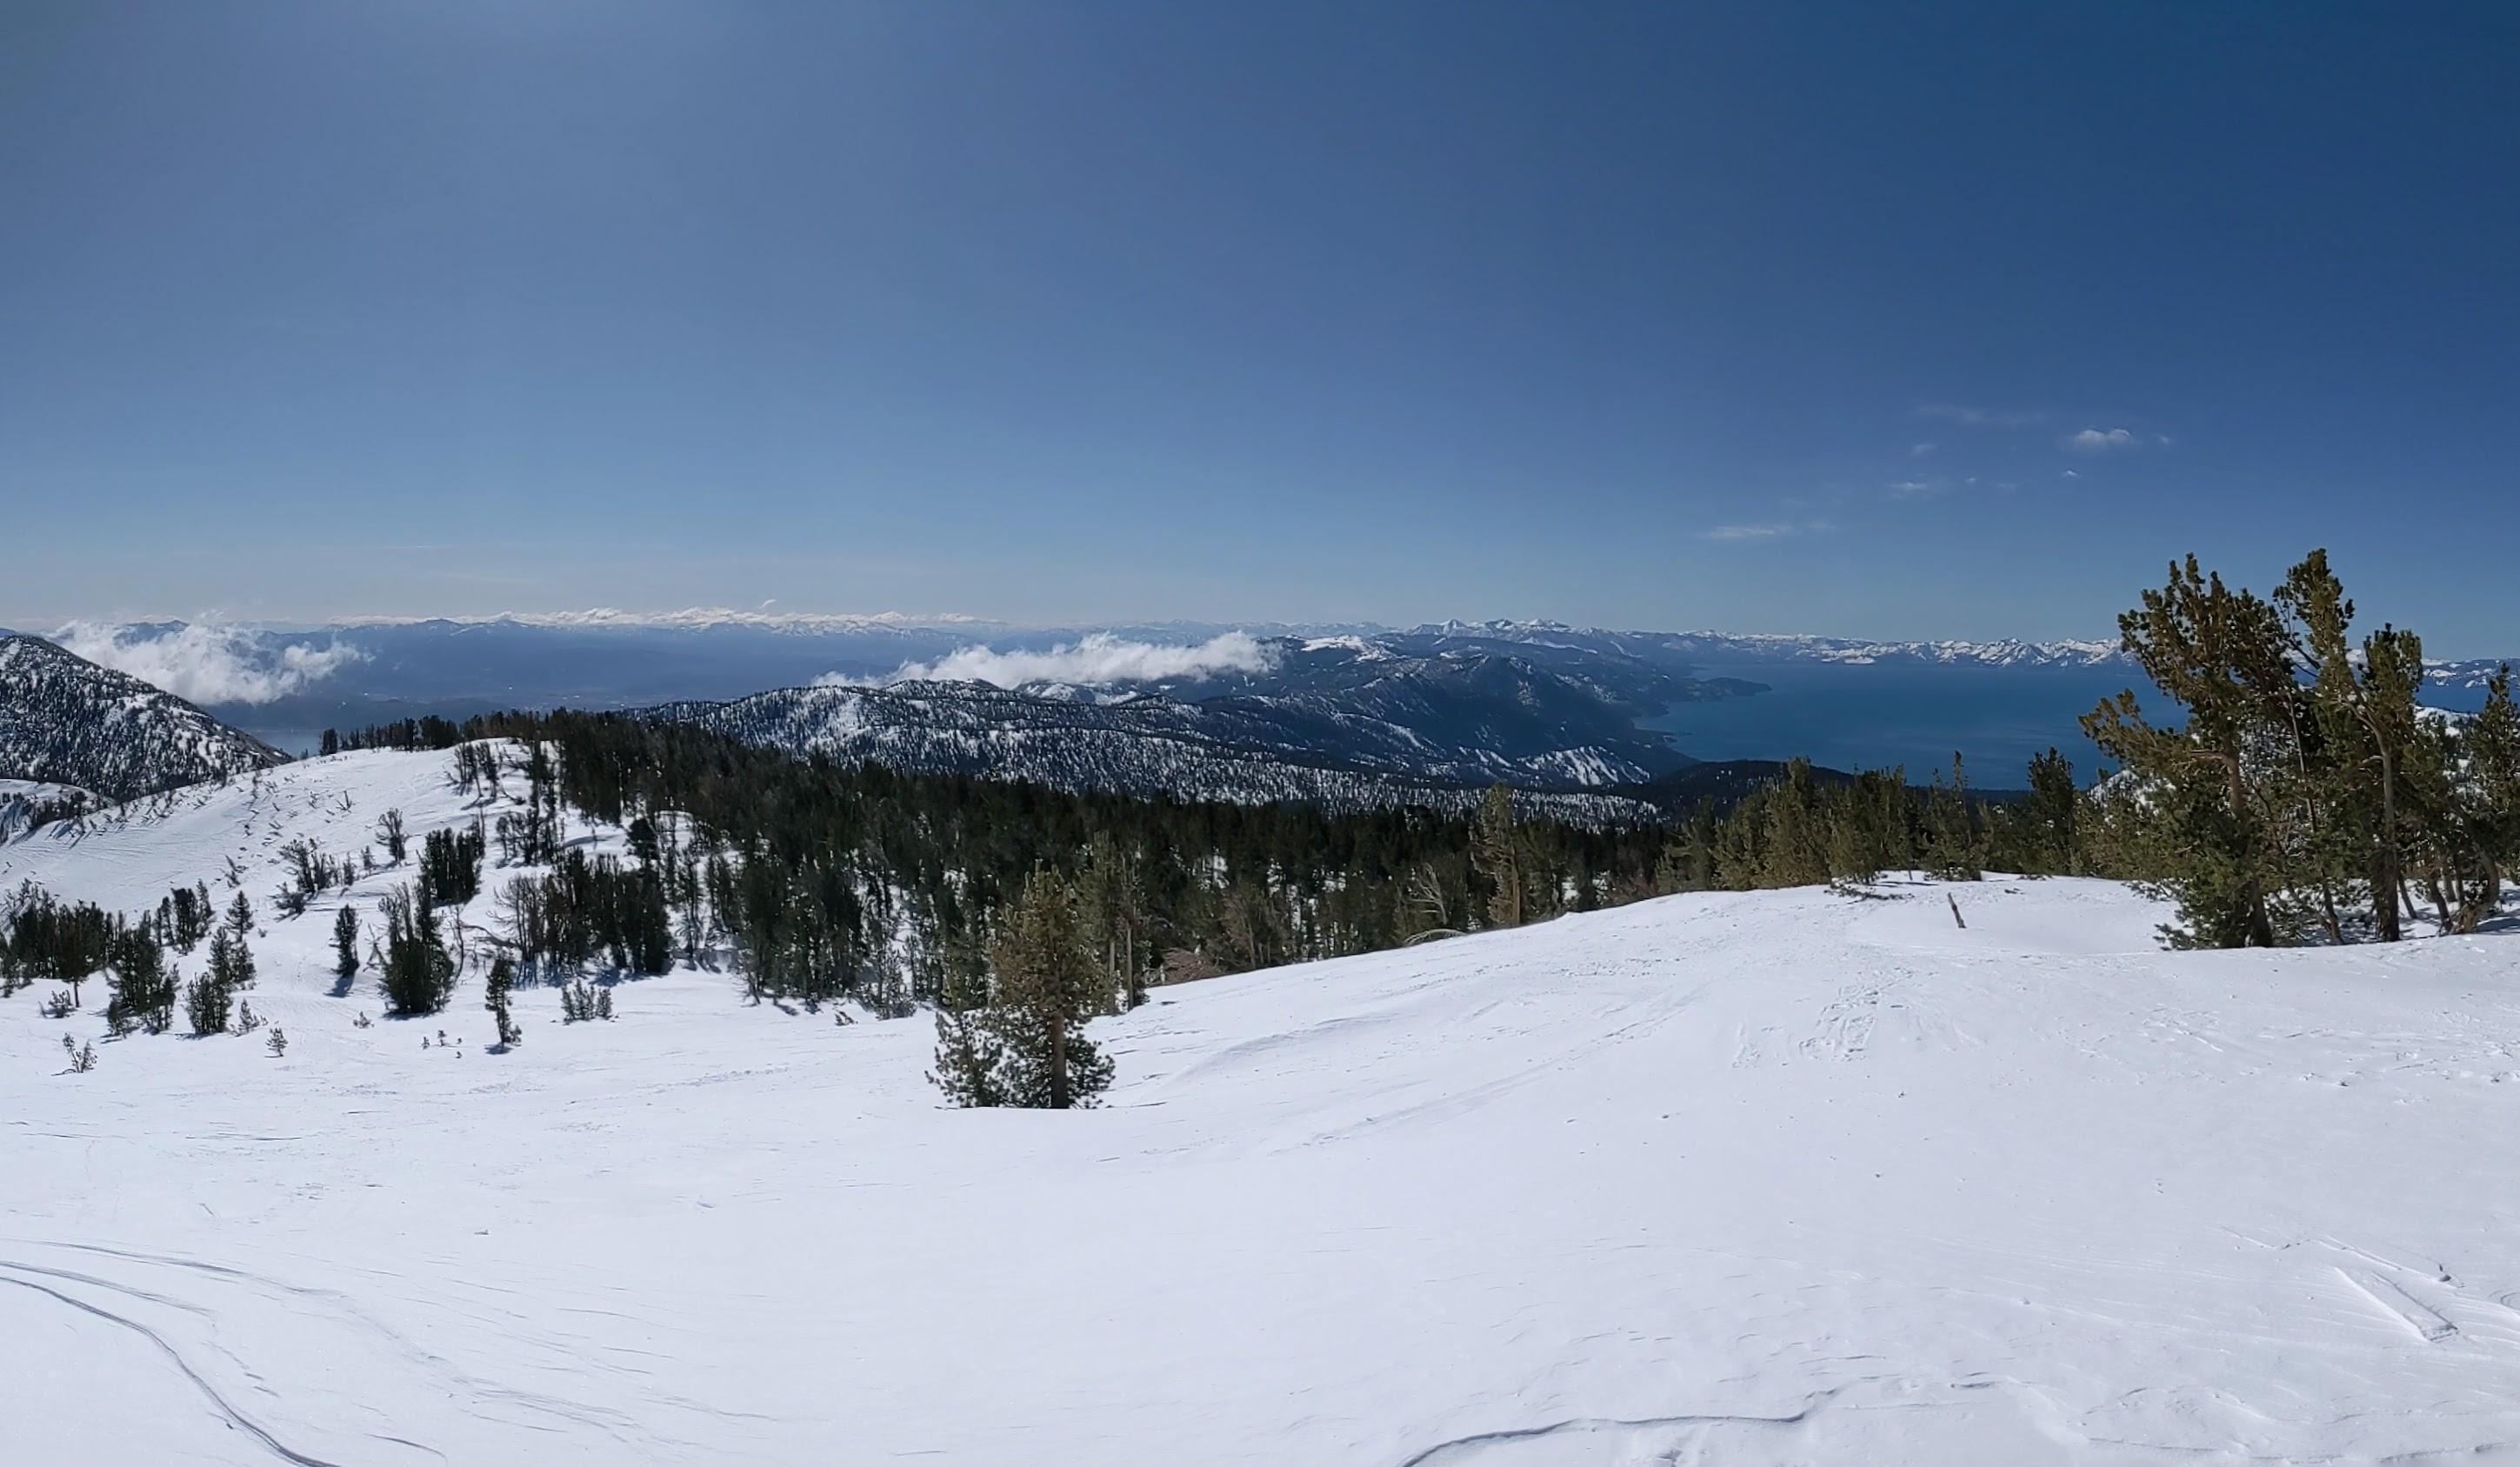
<point>1870,717</point>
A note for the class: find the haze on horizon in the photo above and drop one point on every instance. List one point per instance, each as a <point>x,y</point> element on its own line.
<point>1948,321</point>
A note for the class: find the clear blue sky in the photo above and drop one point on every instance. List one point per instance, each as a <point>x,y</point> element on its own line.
<point>1760,317</point>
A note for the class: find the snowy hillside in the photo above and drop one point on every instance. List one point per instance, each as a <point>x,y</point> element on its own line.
<point>24,801</point>
<point>65,720</point>
<point>1769,1178</point>
<point>1241,748</point>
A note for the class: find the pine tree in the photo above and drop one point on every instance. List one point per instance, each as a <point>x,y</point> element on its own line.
<point>1026,1046</point>
<point>207,1006</point>
<point>419,973</point>
<point>346,943</point>
<point>2220,654</point>
<point>2050,815</point>
<point>497,989</point>
<point>1497,854</point>
<point>231,962</point>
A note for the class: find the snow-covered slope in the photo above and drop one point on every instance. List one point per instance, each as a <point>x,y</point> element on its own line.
<point>65,720</point>
<point>23,801</point>
<point>1765,1178</point>
<point>1327,749</point>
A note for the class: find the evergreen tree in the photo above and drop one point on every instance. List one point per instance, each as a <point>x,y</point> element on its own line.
<point>2049,817</point>
<point>2220,656</point>
<point>346,943</point>
<point>1497,854</point>
<point>497,989</point>
<point>231,966</point>
<point>144,985</point>
<point>419,973</point>
<point>1026,1047</point>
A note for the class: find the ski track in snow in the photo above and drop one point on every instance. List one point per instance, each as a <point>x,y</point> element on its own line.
<point>1741,1179</point>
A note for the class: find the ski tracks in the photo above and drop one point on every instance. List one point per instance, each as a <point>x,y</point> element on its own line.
<point>315,1376</point>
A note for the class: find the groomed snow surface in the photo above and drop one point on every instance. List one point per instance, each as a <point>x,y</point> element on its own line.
<point>1786,1177</point>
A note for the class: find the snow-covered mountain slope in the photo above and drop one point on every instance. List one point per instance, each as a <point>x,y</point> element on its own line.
<point>1765,1178</point>
<point>65,720</point>
<point>234,835</point>
<point>1418,746</point>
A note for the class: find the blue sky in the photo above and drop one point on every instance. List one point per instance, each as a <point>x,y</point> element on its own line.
<point>1754,317</point>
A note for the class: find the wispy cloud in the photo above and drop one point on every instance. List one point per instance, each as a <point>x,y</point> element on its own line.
<point>1097,659</point>
<point>1969,417</point>
<point>1921,449</point>
<point>205,663</point>
<point>1913,489</point>
<point>2101,440</point>
<point>1771,530</point>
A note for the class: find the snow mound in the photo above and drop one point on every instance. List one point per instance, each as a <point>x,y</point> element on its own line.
<point>1768,1178</point>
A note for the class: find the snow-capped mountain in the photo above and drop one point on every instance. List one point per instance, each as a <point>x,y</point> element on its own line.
<point>65,721</point>
<point>1339,721</point>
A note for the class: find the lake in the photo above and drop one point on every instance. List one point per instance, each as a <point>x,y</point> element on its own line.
<point>1857,716</point>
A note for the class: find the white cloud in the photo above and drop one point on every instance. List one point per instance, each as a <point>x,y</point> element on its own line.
<point>2073,474</point>
<point>2100,440</point>
<point>1097,659</point>
<point>1913,489</point>
<point>1921,449</point>
<point>204,663</point>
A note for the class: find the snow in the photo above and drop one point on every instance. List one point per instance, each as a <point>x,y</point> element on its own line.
<point>1760,1178</point>
<point>19,799</point>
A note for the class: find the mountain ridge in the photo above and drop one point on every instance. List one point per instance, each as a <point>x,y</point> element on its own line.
<point>65,721</point>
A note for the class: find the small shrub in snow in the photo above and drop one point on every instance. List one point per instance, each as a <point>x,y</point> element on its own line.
<point>278,1043</point>
<point>82,1057</point>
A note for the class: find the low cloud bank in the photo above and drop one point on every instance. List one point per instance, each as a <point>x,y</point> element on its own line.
<point>1093,661</point>
<point>202,663</point>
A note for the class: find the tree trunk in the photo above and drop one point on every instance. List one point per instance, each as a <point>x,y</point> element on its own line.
<point>2384,855</point>
<point>1058,1063</point>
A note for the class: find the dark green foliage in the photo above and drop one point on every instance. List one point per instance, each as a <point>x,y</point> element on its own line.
<point>582,1002</point>
<point>497,991</point>
<point>450,866</point>
<point>208,1005</point>
<point>2307,793</point>
<point>188,913</point>
<point>231,962</point>
<point>2219,654</point>
<point>419,973</point>
<point>1026,1045</point>
<point>57,942</point>
<point>144,985</point>
<point>595,908</point>
<point>346,943</point>
<point>855,883</point>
